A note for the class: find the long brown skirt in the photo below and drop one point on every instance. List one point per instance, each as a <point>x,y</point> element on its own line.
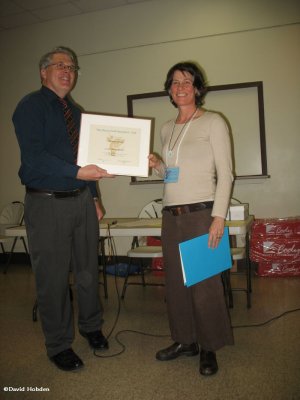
<point>198,313</point>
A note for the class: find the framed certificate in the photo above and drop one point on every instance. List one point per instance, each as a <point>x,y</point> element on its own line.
<point>120,145</point>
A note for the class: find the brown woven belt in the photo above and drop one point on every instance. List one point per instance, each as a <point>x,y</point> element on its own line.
<point>188,208</point>
<point>56,194</point>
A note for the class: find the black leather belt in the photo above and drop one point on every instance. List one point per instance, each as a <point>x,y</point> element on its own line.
<point>188,208</point>
<point>57,194</point>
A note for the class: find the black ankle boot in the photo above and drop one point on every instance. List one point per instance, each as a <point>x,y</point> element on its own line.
<point>208,363</point>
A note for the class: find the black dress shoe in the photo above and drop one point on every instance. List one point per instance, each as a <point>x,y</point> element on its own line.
<point>208,363</point>
<point>96,339</point>
<point>67,360</point>
<point>176,350</point>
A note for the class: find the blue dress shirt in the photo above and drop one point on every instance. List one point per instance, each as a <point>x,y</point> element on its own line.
<point>47,160</point>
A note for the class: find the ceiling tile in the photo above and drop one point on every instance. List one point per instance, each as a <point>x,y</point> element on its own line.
<point>16,20</point>
<point>94,5</point>
<point>15,13</point>
<point>136,1</point>
<point>36,4</point>
<point>7,7</point>
<point>56,12</point>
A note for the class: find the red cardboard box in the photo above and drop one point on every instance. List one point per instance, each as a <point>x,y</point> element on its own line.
<point>157,263</point>
<point>286,227</point>
<point>278,269</point>
<point>276,248</point>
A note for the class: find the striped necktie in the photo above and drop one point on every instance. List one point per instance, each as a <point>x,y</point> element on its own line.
<point>71,127</point>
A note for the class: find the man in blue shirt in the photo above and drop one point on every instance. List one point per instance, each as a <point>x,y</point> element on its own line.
<point>62,210</point>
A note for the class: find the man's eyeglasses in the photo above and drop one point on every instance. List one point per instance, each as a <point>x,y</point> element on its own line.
<point>64,67</point>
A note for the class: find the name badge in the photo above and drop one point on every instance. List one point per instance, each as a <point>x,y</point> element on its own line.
<point>172,174</point>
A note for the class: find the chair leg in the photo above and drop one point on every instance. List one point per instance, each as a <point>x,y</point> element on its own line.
<point>103,260</point>
<point>25,246</point>
<point>230,297</point>
<point>105,281</point>
<point>3,253</point>
<point>142,272</point>
<point>2,248</point>
<point>10,255</point>
<point>34,311</point>
<point>126,280</point>
<point>227,288</point>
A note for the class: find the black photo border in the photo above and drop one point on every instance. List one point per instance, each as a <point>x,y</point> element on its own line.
<point>261,116</point>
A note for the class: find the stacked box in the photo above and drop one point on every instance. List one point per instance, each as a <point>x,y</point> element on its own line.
<point>157,265</point>
<point>275,246</point>
<point>238,212</point>
<point>278,269</point>
<point>283,227</point>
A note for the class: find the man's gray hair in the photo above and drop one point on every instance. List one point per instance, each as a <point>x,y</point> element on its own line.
<point>46,59</point>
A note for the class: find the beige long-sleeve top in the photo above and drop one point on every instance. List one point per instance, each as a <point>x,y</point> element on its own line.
<point>203,155</point>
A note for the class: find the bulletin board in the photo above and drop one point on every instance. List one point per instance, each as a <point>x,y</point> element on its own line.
<point>242,107</point>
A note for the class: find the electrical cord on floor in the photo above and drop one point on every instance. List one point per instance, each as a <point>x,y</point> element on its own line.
<point>266,322</point>
<point>123,347</point>
<point>112,254</point>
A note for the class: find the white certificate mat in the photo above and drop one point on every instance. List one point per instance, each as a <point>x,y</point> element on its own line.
<point>118,144</point>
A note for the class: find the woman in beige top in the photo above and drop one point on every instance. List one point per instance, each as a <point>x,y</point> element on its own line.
<point>197,170</point>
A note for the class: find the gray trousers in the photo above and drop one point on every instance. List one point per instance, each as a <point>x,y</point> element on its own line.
<point>63,236</point>
<point>198,313</point>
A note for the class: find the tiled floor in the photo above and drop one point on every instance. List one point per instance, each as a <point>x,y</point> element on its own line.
<point>263,364</point>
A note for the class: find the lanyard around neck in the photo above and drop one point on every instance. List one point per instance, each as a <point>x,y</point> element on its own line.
<point>185,128</point>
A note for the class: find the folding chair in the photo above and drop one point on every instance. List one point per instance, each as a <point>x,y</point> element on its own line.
<point>11,215</point>
<point>141,252</point>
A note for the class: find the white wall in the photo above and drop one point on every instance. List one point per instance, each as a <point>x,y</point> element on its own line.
<point>129,49</point>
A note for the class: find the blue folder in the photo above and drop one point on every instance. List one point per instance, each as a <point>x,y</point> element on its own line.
<point>200,262</point>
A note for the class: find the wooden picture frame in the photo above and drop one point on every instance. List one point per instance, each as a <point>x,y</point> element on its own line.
<point>118,144</point>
